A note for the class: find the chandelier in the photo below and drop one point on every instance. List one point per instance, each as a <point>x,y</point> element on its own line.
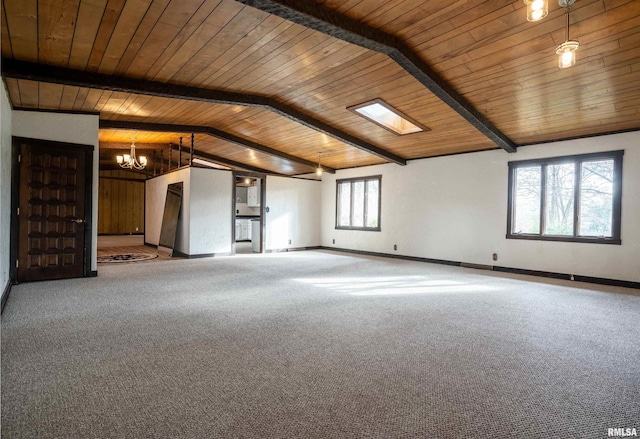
<point>129,161</point>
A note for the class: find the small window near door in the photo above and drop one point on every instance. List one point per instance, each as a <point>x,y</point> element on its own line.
<point>358,203</point>
<point>571,198</point>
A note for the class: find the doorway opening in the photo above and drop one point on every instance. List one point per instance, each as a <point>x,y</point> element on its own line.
<point>248,212</point>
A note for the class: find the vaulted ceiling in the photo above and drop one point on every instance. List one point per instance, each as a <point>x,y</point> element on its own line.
<point>265,85</point>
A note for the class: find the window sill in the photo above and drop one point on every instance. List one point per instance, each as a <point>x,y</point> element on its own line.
<point>614,241</point>
<point>364,229</point>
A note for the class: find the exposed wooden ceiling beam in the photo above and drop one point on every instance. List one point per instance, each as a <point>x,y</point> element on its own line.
<point>60,75</point>
<point>150,147</point>
<point>233,163</point>
<point>170,128</point>
<point>127,145</point>
<point>314,16</point>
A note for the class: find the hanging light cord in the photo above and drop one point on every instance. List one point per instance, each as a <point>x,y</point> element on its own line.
<point>319,169</point>
<point>567,29</point>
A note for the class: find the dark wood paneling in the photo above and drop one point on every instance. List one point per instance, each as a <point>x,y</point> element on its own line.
<point>120,203</point>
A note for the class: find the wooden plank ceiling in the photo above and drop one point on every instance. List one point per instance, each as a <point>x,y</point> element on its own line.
<point>290,84</point>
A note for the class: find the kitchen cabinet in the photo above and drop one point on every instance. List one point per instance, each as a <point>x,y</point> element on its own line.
<point>243,229</point>
<point>253,196</point>
<point>238,231</point>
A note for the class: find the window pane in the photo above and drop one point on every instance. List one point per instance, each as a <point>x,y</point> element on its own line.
<point>580,198</point>
<point>344,204</point>
<point>358,204</point>
<point>559,208</point>
<point>596,198</point>
<point>527,200</point>
<point>372,203</point>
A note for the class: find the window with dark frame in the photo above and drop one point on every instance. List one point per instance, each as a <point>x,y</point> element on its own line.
<point>358,203</point>
<point>571,198</point>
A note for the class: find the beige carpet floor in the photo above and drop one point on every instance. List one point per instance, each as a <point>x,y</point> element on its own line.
<point>317,345</point>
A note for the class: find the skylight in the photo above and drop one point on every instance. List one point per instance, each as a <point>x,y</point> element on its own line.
<point>381,113</point>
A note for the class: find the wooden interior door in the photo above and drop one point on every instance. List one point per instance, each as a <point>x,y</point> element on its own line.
<point>52,210</point>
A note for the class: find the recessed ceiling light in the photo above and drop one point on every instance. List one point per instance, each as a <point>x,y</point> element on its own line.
<point>383,114</point>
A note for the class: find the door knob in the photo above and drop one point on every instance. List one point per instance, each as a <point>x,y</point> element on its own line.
<point>77,220</point>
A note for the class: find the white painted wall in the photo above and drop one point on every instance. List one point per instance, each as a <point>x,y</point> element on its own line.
<point>455,208</point>
<point>205,215</point>
<point>211,208</point>
<point>155,196</point>
<point>5,186</point>
<point>294,213</point>
<point>243,209</point>
<point>71,128</point>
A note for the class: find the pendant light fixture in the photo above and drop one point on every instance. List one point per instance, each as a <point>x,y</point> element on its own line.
<point>537,9</point>
<point>130,161</point>
<point>319,168</point>
<point>567,51</point>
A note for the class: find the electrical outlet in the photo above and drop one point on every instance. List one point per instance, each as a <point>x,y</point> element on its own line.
<point>136,229</point>
<point>395,246</point>
<point>334,241</point>
<point>289,242</point>
<point>495,256</point>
